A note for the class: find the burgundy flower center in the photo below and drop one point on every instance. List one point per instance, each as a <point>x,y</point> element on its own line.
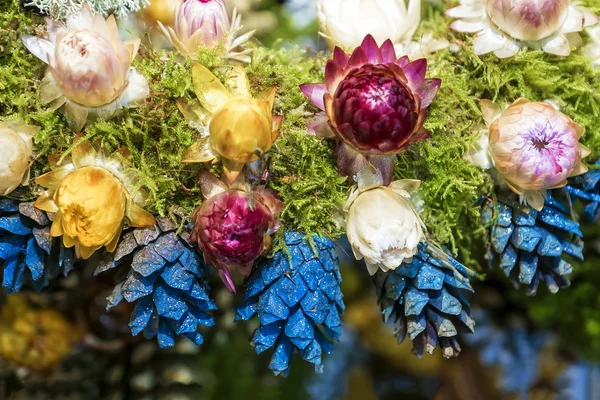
<point>374,110</point>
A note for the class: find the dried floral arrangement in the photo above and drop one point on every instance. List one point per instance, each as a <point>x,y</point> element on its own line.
<point>431,144</point>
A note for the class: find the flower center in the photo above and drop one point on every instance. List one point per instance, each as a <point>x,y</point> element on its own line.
<point>374,110</point>
<point>82,45</point>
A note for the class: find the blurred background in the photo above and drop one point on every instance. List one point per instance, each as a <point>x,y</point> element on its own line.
<point>524,348</point>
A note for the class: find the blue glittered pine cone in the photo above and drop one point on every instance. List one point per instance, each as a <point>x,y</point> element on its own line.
<point>529,246</point>
<point>587,188</point>
<point>426,301</point>
<point>166,281</point>
<point>27,251</point>
<point>298,301</point>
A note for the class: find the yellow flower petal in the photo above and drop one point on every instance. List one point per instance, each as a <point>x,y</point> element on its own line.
<point>110,247</point>
<point>84,153</point>
<point>209,89</point>
<point>232,170</point>
<point>85,252</point>
<point>69,241</point>
<point>193,111</point>
<point>52,180</point>
<point>138,217</point>
<point>238,83</point>
<point>199,152</point>
<point>269,96</point>
<point>46,203</point>
<point>56,229</point>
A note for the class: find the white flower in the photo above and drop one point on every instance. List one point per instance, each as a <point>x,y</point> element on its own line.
<point>506,26</point>
<point>15,151</point>
<point>383,226</point>
<point>205,24</point>
<point>592,50</point>
<point>89,67</point>
<point>345,23</point>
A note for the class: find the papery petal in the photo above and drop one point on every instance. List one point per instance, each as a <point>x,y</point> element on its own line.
<point>428,91</point>
<point>415,72</point>
<point>371,50</point>
<point>41,48</point>
<point>315,93</point>
<point>558,45</point>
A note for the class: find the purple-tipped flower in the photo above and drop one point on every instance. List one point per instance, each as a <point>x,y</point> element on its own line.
<point>375,102</point>
<point>232,229</point>
<point>533,147</point>
<point>204,24</point>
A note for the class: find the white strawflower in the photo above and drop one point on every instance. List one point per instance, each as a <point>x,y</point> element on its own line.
<point>504,27</point>
<point>382,225</point>
<point>592,50</point>
<point>15,152</point>
<point>345,23</point>
<point>89,67</point>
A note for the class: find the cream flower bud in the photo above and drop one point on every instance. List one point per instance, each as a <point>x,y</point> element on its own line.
<point>383,226</point>
<point>89,70</point>
<point>89,67</point>
<point>15,152</point>
<point>345,23</point>
<point>528,19</point>
<point>506,27</point>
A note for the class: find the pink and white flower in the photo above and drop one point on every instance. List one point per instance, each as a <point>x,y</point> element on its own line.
<point>532,146</point>
<point>206,24</point>
<point>504,27</point>
<point>89,67</point>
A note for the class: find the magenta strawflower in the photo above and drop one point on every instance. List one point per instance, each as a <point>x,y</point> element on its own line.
<point>233,227</point>
<point>374,102</point>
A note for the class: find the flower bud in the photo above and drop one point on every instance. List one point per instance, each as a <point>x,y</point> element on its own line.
<point>345,23</point>
<point>384,228</point>
<point>242,129</point>
<point>89,67</point>
<point>89,70</point>
<point>233,234</point>
<point>528,19</point>
<point>201,23</point>
<point>535,147</point>
<point>15,152</point>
